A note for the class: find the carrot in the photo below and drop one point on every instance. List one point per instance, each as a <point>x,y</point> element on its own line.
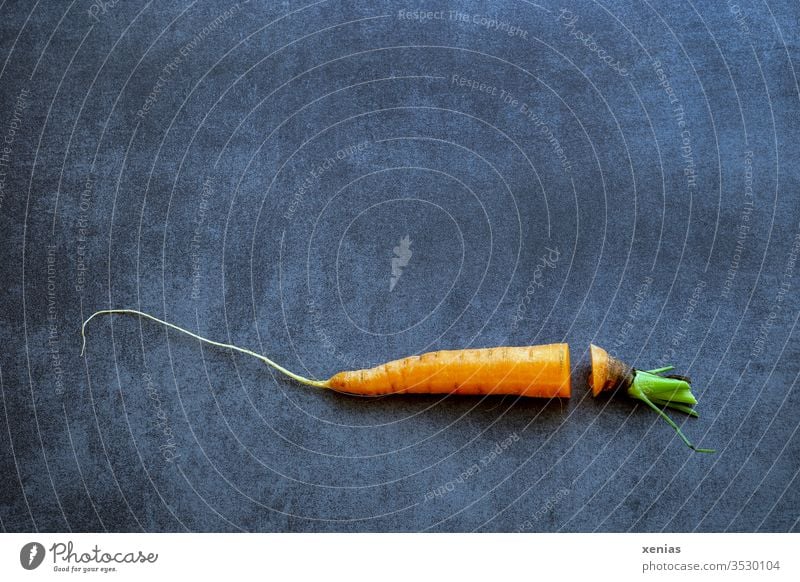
<point>651,387</point>
<point>534,371</point>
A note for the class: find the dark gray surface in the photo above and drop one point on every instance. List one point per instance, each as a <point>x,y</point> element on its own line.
<point>151,432</point>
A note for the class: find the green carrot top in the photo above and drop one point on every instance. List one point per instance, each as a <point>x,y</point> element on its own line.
<point>659,391</point>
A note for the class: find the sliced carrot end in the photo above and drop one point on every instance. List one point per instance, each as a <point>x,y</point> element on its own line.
<point>599,375</point>
<point>608,373</point>
<point>566,385</point>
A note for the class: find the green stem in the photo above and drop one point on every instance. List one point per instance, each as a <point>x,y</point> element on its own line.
<point>671,422</point>
<point>675,406</point>
<point>658,371</point>
<point>674,393</point>
<point>301,379</point>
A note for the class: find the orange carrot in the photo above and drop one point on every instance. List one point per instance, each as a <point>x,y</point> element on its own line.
<point>535,371</point>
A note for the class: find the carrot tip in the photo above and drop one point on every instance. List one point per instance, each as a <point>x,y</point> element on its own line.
<point>266,360</point>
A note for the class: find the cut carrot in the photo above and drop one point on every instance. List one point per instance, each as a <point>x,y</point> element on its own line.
<point>535,371</point>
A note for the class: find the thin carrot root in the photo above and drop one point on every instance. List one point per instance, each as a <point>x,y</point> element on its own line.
<point>266,360</point>
<point>652,387</point>
<point>534,371</point>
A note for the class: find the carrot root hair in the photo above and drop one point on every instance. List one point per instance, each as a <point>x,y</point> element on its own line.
<point>266,360</point>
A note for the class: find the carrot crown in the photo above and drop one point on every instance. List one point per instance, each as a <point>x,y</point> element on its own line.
<point>659,391</point>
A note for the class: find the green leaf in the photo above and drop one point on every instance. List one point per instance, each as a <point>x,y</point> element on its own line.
<point>656,391</point>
